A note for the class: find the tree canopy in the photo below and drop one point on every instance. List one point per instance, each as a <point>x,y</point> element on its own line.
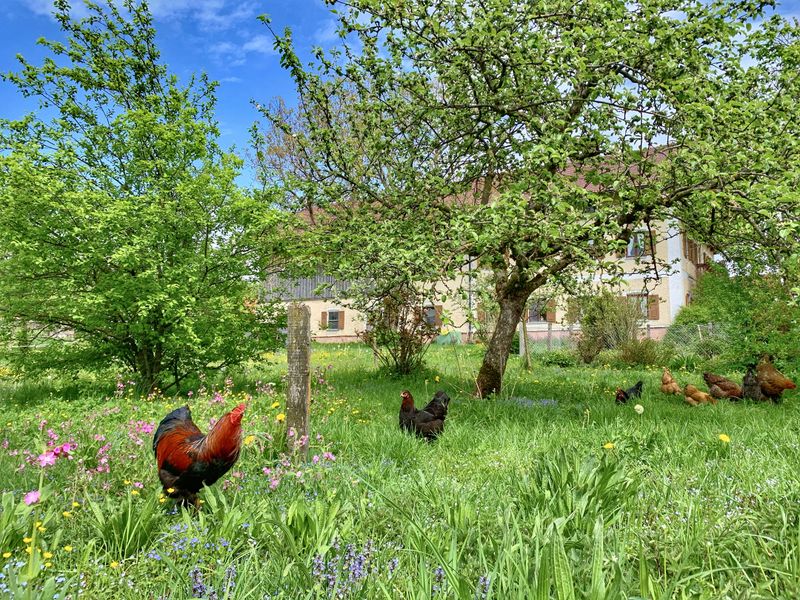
<point>120,219</point>
<point>538,136</point>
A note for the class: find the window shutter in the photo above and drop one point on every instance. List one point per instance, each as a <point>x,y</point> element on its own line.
<point>341,320</point>
<point>551,311</point>
<point>323,319</point>
<point>652,307</point>
<point>438,321</point>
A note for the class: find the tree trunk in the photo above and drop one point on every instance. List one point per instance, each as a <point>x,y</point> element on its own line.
<point>512,302</point>
<point>148,366</point>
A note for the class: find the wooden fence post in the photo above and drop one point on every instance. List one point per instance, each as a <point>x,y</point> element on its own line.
<point>298,385</point>
<point>524,345</point>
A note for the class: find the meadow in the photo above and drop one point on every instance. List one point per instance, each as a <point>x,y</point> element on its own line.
<point>549,491</point>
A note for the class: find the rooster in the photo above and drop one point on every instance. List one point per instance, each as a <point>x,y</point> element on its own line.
<point>187,459</point>
<point>427,423</point>
<point>632,392</point>
<point>668,383</point>
<point>695,397</point>
<point>772,381</point>
<point>721,387</point>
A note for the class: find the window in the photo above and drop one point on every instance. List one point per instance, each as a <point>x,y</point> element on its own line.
<point>332,320</point>
<point>639,301</point>
<point>537,313</point>
<point>637,245</point>
<point>648,305</point>
<point>691,250</point>
<point>429,315</point>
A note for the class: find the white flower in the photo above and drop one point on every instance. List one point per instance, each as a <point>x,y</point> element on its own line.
<point>639,409</point>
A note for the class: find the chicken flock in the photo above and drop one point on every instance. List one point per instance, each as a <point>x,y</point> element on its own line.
<point>187,459</point>
<point>762,382</point>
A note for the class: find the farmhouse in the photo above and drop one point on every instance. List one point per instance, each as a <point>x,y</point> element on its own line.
<point>660,274</point>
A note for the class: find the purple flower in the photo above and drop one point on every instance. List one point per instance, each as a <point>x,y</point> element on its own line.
<point>198,587</point>
<point>483,587</point>
<point>47,459</point>
<point>32,497</point>
<point>393,565</point>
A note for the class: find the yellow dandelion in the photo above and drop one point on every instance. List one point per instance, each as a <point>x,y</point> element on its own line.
<point>436,379</point>
<point>126,482</point>
<point>76,504</point>
<point>67,548</point>
<point>66,514</point>
<point>26,540</point>
<point>37,524</point>
<point>608,445</point>
<point>48,565</point>
<point>114,564</point>
<point>42,529</point>
<point>280,418</point>
<point>249,440</point>
<point>724,438</point>
<point>162,500</point>
<point>6,554</point>
<point>48,555</point>
<point>275,405</point>
<point>134,492</point>
<point>171,490</point>
<point>28,549</point>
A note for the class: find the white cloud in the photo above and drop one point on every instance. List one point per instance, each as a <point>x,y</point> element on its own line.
<point>259,43</point>
<point>234,54</point>
<point>45,7</point>
<point>326,33</point>
<point>208,15</point>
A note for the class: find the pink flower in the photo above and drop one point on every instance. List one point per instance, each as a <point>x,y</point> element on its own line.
<point>274,484</point>
<point>138,484</point>
<point>328,456</point>
<point>315,459</point>
<point>47,459</point>
<point>32,497</point>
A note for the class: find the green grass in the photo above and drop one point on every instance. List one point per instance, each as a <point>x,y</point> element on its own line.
<point>518,492</point>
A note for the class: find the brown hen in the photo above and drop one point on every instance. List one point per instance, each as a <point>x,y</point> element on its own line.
<point>695,397</point>
<point>668,383</point>
<point>721,387</point>
<point>772,381</point>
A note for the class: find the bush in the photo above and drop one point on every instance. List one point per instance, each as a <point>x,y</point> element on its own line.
<point>557,358</point>
<point>607,322</point>
<point>736,319</point>
<point>644,352</point>
<point>398,334</point>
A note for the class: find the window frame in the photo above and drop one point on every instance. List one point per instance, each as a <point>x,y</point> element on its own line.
<point>631,248</point>
<point>338,325</point>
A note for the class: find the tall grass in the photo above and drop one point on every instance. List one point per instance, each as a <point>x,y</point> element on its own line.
<point>519,498</point>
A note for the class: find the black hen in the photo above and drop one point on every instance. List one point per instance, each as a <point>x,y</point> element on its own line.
<point>428,422</point>
<point>632,392</point>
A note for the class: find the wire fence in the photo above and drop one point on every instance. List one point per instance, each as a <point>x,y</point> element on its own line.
<point>705,340</point>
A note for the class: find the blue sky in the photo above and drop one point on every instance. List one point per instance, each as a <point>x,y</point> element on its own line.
<point>224,38</point>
